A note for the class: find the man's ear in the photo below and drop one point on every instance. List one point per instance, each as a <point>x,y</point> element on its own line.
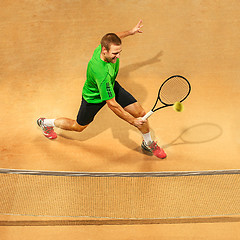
<point>104,50</point>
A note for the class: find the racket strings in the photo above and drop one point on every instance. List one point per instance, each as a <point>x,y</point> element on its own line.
<point>174,90</point>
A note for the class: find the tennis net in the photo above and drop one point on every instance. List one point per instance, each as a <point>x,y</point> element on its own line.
<point>149,195</point>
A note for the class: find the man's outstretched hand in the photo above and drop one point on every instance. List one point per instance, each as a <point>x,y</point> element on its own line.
<point>137,28</point>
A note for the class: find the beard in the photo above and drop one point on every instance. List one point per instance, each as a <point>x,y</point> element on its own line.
<point>114,60</point>
<point>111,60</point>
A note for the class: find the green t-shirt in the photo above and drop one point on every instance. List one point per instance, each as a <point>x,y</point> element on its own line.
<point>100,79</point>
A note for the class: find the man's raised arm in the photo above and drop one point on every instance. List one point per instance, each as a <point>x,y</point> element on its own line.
<point>136,29</point>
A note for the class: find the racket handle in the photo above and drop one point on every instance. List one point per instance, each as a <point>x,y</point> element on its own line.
<point>147,115</point>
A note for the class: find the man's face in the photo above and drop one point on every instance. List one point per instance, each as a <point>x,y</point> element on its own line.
<point>113,54</point>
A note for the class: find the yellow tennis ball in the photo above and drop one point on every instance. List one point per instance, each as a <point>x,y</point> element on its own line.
<point>178,107</point>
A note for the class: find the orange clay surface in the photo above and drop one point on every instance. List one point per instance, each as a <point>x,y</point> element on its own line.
<point>44,50</point>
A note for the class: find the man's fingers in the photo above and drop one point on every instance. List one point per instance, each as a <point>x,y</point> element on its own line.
<point>139,26</point>
<point>140,22</point>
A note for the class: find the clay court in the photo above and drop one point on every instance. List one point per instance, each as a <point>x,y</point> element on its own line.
<point>45,47</point>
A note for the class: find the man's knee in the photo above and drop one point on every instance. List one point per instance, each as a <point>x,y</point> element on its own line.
<point>77,127</point>
<point>141,113</point>
<point>136,110</point>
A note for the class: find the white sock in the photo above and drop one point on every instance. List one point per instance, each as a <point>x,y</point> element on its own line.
<point>49,122</point>
<point>147,138</point>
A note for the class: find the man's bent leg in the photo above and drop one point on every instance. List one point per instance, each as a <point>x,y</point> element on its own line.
<point>69,124</point>
<point>47,126</point>
<point>136,110</point>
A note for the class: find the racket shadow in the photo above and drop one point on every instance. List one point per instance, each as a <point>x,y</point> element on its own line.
<point>197,134</point>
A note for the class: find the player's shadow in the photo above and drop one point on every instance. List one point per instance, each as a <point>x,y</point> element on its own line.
<point>197,134</point>
<point>106,119</point>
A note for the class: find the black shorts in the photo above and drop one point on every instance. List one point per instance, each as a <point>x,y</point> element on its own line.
<point>88,111</point>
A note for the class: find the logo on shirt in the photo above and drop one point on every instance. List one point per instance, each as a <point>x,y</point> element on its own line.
<point>108,90</point>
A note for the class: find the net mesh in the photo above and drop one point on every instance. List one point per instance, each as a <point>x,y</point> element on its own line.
<point>121,196</point>
<point>174,90</point>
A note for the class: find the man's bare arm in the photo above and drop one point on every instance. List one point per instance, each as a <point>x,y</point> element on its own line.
<point>120,112</point>
<point>136,29</point>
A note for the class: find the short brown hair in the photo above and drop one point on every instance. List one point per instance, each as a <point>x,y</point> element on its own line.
<point>109,39</point>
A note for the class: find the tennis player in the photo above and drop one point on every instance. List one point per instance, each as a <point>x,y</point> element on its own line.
<point>102,88</point>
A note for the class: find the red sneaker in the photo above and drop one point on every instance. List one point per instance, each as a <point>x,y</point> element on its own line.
<point>47,131</point>
<point>154,149</point>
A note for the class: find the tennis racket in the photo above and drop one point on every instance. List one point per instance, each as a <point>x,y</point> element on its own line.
<point>175,89</point>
